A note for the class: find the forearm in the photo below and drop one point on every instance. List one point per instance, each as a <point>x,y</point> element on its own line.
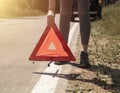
<point>52,5</point>
<point>51,13</point>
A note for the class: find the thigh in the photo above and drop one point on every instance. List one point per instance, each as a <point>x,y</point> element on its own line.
<point>66,5</point>
<point>83,6</point>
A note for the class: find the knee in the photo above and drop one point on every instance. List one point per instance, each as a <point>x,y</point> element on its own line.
<point>84,13</point>
<point>65,13</point>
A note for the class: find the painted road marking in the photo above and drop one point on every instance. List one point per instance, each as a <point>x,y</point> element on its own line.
<point>48,82</point>
<point>71,33</point>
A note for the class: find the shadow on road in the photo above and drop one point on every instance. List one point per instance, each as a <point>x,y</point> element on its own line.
<point>113,73</point>
<point>65,76</point>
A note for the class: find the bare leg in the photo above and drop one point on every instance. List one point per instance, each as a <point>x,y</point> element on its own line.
<point>83,9</point>
<point>65,14</point>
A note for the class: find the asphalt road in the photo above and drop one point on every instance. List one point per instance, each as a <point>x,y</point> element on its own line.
<point>18,38</point>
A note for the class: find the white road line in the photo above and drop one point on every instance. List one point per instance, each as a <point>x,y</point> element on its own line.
<point>71,33</point>
<point>48,83</point>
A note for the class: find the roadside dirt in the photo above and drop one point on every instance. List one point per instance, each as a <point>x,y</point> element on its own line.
<point>100,78</point>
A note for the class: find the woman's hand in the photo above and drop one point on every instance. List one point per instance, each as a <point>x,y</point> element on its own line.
<point>50,18</point>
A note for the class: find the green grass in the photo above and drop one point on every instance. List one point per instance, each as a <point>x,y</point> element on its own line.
<point>105,48</point>
<point>106,34</point>
<point>104,54</point>
<point>109,25</point>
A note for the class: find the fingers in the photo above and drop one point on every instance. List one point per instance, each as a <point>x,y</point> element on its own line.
<point>50,20</point>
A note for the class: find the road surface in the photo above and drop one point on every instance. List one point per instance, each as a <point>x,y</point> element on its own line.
<point>18,38</point>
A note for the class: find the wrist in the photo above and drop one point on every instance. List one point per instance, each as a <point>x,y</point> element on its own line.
<point>50,12</point>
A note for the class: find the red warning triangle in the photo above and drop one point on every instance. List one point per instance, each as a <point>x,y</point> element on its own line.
<point>52,47</point>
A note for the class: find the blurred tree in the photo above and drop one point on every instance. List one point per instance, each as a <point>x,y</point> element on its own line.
<point>24,7</point>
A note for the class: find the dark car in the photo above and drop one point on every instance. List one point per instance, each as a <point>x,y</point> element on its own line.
<point>95,9</point>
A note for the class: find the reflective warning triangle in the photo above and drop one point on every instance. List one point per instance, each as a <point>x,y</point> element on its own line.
<point>52,47</point>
